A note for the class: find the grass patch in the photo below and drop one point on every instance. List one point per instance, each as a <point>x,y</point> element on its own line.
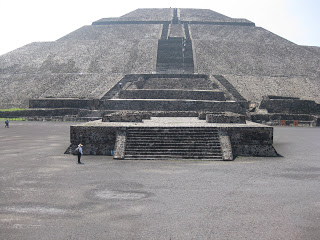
<point>12,109</point>
<point>13,119</point>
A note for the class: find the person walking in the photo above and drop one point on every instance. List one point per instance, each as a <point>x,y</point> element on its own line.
<point>80,152</point>
<point>7,123</point>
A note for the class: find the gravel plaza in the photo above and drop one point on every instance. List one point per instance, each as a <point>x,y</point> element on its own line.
<point>45,194</point>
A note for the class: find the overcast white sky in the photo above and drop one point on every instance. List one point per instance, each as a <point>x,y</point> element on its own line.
<point>26,21</point>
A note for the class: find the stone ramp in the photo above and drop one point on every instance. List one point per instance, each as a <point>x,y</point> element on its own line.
<point>152,143</point>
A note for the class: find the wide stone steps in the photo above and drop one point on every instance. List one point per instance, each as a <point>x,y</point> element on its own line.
<point>146,142</point>
<point>173,139</point>
<point>170,55</point>
<point>165,157</point>
<point>173,143</point>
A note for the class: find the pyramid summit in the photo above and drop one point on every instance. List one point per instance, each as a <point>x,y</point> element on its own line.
<point>89,62</point>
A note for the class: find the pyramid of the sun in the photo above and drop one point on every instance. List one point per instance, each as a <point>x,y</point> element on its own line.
<point>88,62</point>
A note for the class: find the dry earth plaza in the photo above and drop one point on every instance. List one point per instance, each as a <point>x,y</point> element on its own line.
<point>45,194</point>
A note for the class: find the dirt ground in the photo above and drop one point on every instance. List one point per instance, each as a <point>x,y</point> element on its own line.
<point>45,194</point>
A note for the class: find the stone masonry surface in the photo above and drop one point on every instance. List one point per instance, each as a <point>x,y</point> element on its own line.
<point>246,139</point>
<point>89,61</point>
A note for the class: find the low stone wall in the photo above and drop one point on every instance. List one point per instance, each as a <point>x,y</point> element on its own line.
<point>125,117</point>
<point>279,116</point>
<point>172,105</point>
<point>62,119</point>
<point>149,114</point>
<point>138,116</point>
<point>294,106</point>
<point>255,141</point>
<point>278,119</point>
<point>172,94</point>
<point>39,113</point>
<point>245,141</point>
<point>96,140</point>
<point>64,103</point>
<point>225,118</point>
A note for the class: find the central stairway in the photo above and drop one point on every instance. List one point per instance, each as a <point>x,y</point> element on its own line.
<point>175,55</point>
<point>151,143</point>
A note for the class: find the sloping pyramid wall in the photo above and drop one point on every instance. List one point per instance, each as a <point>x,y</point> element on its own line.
<point>83,64</point>
<point>88,62</point>
<point>256,61</point>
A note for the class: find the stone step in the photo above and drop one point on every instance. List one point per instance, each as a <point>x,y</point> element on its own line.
<point>171,134</point>
<point>168,135</point>
<point>171,143</point>
<point>171,105</point>
<point>174,147</point>
<point>172,94</point>
<point>195,155</point>
<point>176,136</point>
<point>166,153</point>
<point>178,153</point>
<point>175,133</point>
<point>207,131</point>
<point>150,133</point>
<point>168,129</point>
<point>179,143</point>
<point>163,143</point>
<point>171,56</point>
<point>168,141</point>
<point>166,157</point>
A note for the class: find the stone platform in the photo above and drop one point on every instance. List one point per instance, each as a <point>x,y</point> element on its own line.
<point>104,138</point>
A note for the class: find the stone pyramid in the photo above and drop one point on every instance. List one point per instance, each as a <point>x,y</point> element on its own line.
<point>89,62</point>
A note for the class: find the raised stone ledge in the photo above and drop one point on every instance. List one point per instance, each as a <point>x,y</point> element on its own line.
<point>278,119</point>
<point>171,105</point>
<point>96,140</point>
<point>124,116</point>
<point>64,103</point>
<point>117,116</point>
<point>39,113</point>
<point>249,139</point>
<point>225,118</point>
<point>172,94</point>
<point>294,106</point>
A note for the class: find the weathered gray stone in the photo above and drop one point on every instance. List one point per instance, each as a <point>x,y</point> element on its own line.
<point>226,146</point>
<point>290,106</point>
<point>172,94</point>
<point>246,139</point>
<point>91,60</point>
<point>226,117</point>
<point>119,151</point>
<point>64,103</point>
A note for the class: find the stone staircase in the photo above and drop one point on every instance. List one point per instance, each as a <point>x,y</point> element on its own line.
<point>152,143</point>
<point>172,58</point>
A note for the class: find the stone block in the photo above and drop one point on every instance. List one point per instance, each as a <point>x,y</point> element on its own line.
<point>173,94</point>
<point>291,106</point>
<point>225,118</point>
<point>63,103</point>
<point>126,116</point>
<point>96,140</point>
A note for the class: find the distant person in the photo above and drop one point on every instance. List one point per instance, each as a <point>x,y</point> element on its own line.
<point>79,152</point>
<point>6,123</point>
<point>120,86</point>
